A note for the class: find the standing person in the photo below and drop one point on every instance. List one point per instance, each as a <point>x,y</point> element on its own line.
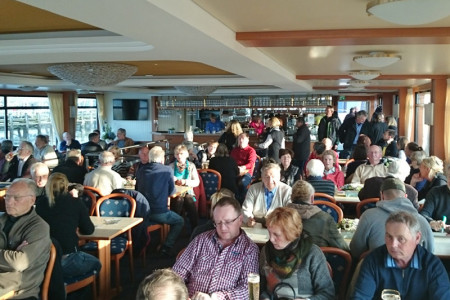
<point>350,130</point>
<point>17,166</point>
<point>291,262</point>
<point>185,174</point>
<point>351,113</point>
<point>402,264</point>
<point>66,217</point>
<point>301,144</point>
<point>24,242</point>
<point>68,143</point>
<point>329,126</point>
<point>274,141</point>
<point>377,128</point>
<point>155,181</point>
<point>214,125</point>
<point>44,152</point>
<point>216,264</point>
<point>245,157</point>
<point>230,136</point>
<point>401,145</point>
<point>227,167</point>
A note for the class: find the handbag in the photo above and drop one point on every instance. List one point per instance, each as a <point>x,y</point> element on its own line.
<point>278,286</point>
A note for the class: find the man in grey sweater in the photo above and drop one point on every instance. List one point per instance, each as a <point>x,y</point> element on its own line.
<point>371,231</point>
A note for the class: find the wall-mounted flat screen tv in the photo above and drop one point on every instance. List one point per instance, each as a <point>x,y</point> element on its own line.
<point>130,109</point>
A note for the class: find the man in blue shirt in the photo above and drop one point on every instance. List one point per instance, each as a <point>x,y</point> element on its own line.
<point>214,125</point>
<point>156,182</point>
<point>402,265</point>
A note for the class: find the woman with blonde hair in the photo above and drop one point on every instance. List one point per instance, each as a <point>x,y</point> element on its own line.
<point>229,137</point>
<point>290,264</point>
<point>430,169</point>
<point>65,215</point>
<point>275,139</point>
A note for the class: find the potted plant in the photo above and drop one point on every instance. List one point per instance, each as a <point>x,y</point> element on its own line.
<point>171,130</point>
<point>108,135</point>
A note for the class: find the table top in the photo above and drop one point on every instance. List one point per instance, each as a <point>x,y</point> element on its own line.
<point>257,234</point>
<point>340,197</point>
<point>107,228</point>
<point>180,190</point>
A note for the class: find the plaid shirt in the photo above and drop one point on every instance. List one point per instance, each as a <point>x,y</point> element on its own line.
<point>207,267</point>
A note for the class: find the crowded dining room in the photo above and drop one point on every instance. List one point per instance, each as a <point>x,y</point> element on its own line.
<point>233,150</point>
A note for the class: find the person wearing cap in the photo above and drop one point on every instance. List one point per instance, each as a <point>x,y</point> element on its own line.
<point>370,234</point>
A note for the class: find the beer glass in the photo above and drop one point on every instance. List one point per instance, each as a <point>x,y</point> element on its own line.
<point>388,294</point>
<point>253,286</point>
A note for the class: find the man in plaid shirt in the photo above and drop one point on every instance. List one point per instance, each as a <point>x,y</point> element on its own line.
<point>216,263</point>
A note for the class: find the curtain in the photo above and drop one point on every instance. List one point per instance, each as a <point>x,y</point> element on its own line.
<point>101,109</point>
<point>409,113</point>
<point>57,113</point>
<point>447,123</point>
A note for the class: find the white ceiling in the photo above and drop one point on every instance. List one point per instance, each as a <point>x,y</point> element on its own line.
<point>204,31</point>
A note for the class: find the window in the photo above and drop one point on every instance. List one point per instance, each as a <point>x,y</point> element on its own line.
<point>86,118</point>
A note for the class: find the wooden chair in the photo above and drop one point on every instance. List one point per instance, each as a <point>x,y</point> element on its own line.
<point>324,197</point>
<point>341,264</point>
<point>48,273</point>
<point>94,190</point>
<point>365,205</point>
<point>331,208</point>
<point>81,282</point>
<point>256,168</point>
<point>122,206</point>
<point>89,199</point>
<point>212,181</point>
<point>163,231</point>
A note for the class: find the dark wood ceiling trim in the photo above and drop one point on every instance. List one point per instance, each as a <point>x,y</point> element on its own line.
<point>342,37</point>
<point>381,77</point>
<point>342,88</point>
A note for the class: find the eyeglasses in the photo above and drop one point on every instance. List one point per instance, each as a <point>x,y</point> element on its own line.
<point>16,198</point>
<point>226,223</point>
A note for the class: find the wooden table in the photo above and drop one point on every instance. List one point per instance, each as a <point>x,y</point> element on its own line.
<point>107,228</point>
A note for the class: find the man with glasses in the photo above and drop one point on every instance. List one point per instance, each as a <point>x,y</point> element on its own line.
<point>17,166</point>
<point>215,265</point>
<point>24,242</point>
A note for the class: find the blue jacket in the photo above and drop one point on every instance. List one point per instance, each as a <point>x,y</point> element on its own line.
<point>425,277</point>
<point>155,181</point>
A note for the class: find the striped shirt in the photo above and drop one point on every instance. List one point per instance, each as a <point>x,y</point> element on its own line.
<point>207,267</point>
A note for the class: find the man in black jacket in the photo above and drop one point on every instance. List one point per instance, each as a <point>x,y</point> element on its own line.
<point>329,126</point>
<point>350,131</point>
<point>17,166</point>
<point>301,143</point>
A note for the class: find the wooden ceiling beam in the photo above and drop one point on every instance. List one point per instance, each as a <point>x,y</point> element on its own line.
<point>345,37</point>
<point>342,88</point>
<point>381,77</point>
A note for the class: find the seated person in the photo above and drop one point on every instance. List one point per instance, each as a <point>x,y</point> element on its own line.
<point>231,257</point>
<point>245,157</point>
<point>290,258</point>
<point>396,169</point>
<point>374,167</point>
<point>121,165</point>
<point>263,197</point>
<point>402,264</point>
<point>68,143</point>
<point>319,225</point>
<point>314,172</point>
<point>329,146</point>
<point>104,178</point>
<point>39,173</point>
<point>431,169</point>
<point>227,167</point>
<point>162,284</point>
<point>388,144</point>
<point>66,217</point>
<point>143,159</point>
<point>124,141</point>
<point>44,152</point>
<point>231,134</point>
<point>416,158</point>
<point>18,164</point>
<point>24,242</point>
<point>437,204</point>
<point>289,172</point>
<point>368,235</point>
<point>204,156</point>
<point>93,144</point>
<point>331,172</point>
<point>359,157</point>
<point>73,167</point>
<point>5,148</point>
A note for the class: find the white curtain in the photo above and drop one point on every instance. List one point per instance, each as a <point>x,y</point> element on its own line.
<point>409,113</point>
<point>57,113</point>
<point>101,109</point>
<point>447,123</point>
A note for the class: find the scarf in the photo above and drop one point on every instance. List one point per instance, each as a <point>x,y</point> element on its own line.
<point>181,171</point>
<point>285,261</point>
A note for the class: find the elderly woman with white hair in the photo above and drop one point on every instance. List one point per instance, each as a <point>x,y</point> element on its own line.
<point>397,168</point>
<point>314,173</point>
<point>430,169</point>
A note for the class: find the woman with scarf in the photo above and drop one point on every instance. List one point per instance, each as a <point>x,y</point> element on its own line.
<point>185,174</point>
<point>290,264</point>
<point>289,172</point>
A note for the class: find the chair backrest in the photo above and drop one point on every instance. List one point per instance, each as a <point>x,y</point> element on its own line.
<point>324,197</point>
<point>48,273</point>
<point>331,208</point>
<point>212,181</point>
<point>365,205</point>
<point>341,264</point>
<point>94,190</point>
<point>116,205</point>
<point>89,199</point>
<point>256,168</point>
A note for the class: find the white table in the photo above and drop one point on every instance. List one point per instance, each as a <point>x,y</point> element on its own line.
<point>341,198</point>
<point>107,228</point>
<point>257,234</point>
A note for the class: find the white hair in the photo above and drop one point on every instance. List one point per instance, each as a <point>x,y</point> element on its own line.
<point>315,167</point>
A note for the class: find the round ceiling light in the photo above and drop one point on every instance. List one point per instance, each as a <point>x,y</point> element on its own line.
<point>364,75</point>
<point>358,83</point>
<point>377,59</point>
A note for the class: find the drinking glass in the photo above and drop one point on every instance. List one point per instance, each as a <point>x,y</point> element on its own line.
<point>388,294</point>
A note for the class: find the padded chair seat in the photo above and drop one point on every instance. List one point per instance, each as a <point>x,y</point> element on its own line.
<point>118,245</point>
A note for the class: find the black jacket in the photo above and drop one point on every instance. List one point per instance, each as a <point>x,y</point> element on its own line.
<point>301,143</point>
<point>10,168</point>
<point>74,172</point>
<point>347,131</point>
<point>329,128</point>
